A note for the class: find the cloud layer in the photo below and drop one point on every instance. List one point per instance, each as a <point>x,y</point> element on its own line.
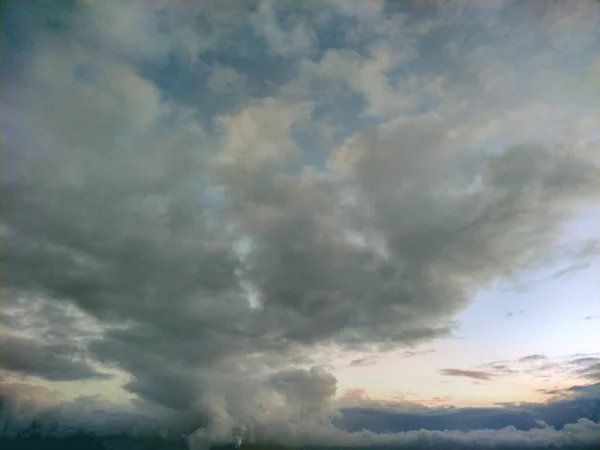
<point>563,423</point>
<point>194,201</point>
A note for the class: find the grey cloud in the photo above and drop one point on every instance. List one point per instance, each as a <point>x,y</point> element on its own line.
<point>569,421</point>
<point>56,417</point>
<point>24,400</point>
<point>591,372</point>
<point>500,369</point>
<point>586,360</point>
<point>365,361</point>
<point>413,353</point>
<point>311,390</point>
<point>406,354</point>
<point>531,358</point>
<point>583,432</point>
<point>580,366</point>
<point>165,386</point>
<point>583,390</point>
<point>126,247</point>
<point>156,32</point>
<point>299,37</point>
<point>588,367</point>
<point>477,374</point>
<point>225,80</point>
<point>54,362</point>
<point>119,205</point>
<point>140,251</point>
<point>575,403</point>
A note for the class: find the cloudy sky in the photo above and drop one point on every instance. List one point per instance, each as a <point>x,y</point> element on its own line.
<point>337,223</point>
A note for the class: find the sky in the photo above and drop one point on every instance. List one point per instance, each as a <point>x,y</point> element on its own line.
<point>302,222</point>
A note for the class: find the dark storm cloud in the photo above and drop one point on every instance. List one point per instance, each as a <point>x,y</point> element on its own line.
<point>51,362</point>
<point>476,374</point>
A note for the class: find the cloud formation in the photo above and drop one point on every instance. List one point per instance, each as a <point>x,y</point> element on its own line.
<point>564,423</point>
<point>532,358</point>
<point>52,362</point>
<point>197,202</point>
<point>475,374</point>
<point>568,405</point>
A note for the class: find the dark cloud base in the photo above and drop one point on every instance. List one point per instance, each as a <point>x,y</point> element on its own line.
<point>431,426</point>
<point>88,443</point>
<point>96,443</point>
<point>523,418</point>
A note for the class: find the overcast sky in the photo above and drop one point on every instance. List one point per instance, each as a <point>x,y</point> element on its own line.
<point>277,220</point>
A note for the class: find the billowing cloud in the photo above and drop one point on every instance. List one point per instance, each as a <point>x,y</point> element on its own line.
<point>565,423</point>
<point>207,250</point>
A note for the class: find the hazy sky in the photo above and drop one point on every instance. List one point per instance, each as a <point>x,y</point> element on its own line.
<point>241,214</point>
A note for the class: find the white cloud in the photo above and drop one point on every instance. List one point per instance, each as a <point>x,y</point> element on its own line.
<point>261,133</point>
<point>298,39</point>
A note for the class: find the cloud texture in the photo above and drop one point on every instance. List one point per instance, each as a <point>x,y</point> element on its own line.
<point>199,248</point>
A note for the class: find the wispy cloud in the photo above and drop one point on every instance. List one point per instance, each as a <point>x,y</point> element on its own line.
<point>538,365</point>
<point>531,358</point>
<point>476,374</point>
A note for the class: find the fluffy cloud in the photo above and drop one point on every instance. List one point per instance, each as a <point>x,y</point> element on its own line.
<point>299,37</point>
<point>125,209</point>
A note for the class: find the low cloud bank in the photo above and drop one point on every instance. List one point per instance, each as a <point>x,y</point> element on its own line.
<point>293,409</point>
<point>569,406</point>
